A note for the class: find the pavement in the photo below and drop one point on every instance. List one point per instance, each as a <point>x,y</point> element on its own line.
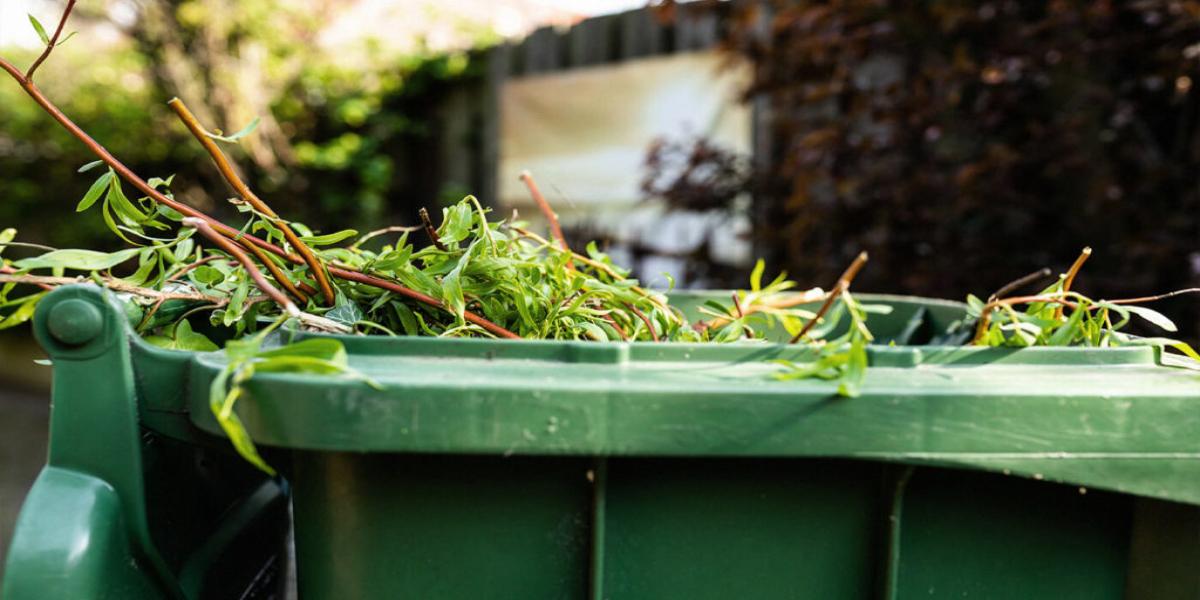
<point>24,425</point>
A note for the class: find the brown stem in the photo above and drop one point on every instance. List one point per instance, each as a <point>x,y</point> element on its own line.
<point>986,315</point>
<point>641,315</point>
<point>47,282</point>
<point>52,43</point>
<point>737,305</point>
<point>1020,283</point>
<point>384,284</point>
<point>5,269</point>
<point>244,191</point>
<point>843,284</point>
<point>616,326</point>
<point>1154,298</point>
<point>236,252</point>
<point>430,230</point>
<point>1070,278</point>
<point>547,212</point>
<point>248,240</point>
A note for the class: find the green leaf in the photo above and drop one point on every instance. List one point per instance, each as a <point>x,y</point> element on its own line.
<point>329,238</point>
<point>232,425</point>
<point>186,339</point>
<point>78,260</point>
<point>456,223</point>
<point>346,313</point>
<point>94,192</point>
<point>241,133</point>
<point>756,275</point>
<point>594,332</point>
<point>1153,316</point>
<point>159,182</point>
<point>7,236</point>
<point>41,31</point>
<point>237,300</point>
<point>855,370</point>
<point>121,205</point>
<point>1183,347</point>
<point>24,311</point>
<point>90,166</point>
<point>326,349</point>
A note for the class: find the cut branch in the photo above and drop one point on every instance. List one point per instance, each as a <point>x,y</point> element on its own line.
<point>547,212</point>
<point>430,230</point>
<point>252,243</point>
<point>1018,283</point>
<point>595,264</point>
<point>47,282</point>
<point>843,284</point>
<point>236,252</point>
<point>244,191</point>
<point>641,315</point>
<point>1070,277</point>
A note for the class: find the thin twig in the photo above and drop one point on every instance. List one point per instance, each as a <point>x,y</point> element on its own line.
<point>547,212</point>
<point>390,286</point>
<point>236,252</point>
<point>1155,298</point>
<point>1020,282</point>
<point>244,191</point>
<point>641,315</point>
<point>246,239</point>
<point>985,316</point>
<point>1070,277</point>
<point>116,285</point>
<point>184,271</point>
<point>53,41</point>
<point>5,269</point>
<point>737,305</point>
<point>766,304</point>
<point>843,284</point>
<point>378,232</point>
<point>27,245</point>
<point>430,230</point>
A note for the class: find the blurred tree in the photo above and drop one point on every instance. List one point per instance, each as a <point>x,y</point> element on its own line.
<point>966,143</point>
<point>338,142</point>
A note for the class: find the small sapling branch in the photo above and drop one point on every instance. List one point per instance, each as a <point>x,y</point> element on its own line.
<point>1020,282</point>
<point>641,315</point>
<point>430,230</point>
<point>244,191</point>
<point>62,22</point>
<point>236,252</point>
<point>595,264</point>
<point>544,206</point>
<point>48,282</point>
<point>1070,277</point>
<point>843,284</point>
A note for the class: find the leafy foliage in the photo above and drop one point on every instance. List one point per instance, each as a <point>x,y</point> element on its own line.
<point>1055,317</point>
<point>246,357</point>
<point>843,358</point>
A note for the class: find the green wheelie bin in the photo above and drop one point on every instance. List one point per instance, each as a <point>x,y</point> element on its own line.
<point>543,469</point>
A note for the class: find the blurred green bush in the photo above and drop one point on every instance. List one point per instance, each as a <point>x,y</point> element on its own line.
<point>339,144</point>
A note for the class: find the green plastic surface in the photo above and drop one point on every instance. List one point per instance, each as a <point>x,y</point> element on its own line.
<point>539,469</point>
<point>124,511</point>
